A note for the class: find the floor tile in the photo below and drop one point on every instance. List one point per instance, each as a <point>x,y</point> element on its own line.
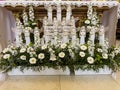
<point>31,83</point>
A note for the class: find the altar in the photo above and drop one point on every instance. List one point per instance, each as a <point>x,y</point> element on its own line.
<point>60,46</point>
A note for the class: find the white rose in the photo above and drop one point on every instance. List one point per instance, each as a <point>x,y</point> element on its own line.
<point>32,60</point>
<point>61,54</point>
<point>23,57</point>
<point>82,54</point>
<point>105,56</point>
<point>6,56</point>
<point>90,60</point>
<point>22,50</point>
<point>99,50</point>
<point>44,47</point>
<point>87,22</point>
<point>83,47</point>
<point>41,56</point>
<point>63,46</point>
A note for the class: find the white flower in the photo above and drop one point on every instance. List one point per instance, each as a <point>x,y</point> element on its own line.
<point>23,57</point>
<point>22,50</point>
<point>82,54</point>
<point>63,46</point>
<point>53,57</point>
<point>41,56</point>
<point>7,50</point>
<point>87,22</point>
<point>90,60</point>
<point>88,27</point>
<point>30,49</point>
<point>44,47</point>
<point>94,22</point>
<point>28,28</point>
<point>105,55</point>
<point>61,54</point>
<point>32,60</point>
<point>6,56</point>
<point>83,47</point>
<point>99,50</point>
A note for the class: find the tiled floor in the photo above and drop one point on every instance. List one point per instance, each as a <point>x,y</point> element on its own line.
<point>95,82</point>
<point>102,82</point>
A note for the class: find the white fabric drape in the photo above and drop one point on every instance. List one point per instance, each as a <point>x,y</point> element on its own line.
<point>7,22</point>
<point>109,20</point>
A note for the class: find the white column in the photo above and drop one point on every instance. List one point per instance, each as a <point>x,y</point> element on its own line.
<point>37,36</point>
<point>49,13</point>
<point>27,36</point>
<point>82,35</point>
<point>18,37</point>
<point>92,35</point>
<point>69,13</point>
<point>101,36</point>
<point>55,27</point>
<point>59,13</point>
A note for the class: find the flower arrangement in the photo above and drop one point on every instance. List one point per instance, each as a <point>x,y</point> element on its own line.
<point>60,56</point>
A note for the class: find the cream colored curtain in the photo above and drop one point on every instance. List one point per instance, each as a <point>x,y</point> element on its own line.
<point>7,22</point>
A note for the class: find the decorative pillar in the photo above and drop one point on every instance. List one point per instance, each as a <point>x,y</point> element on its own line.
<point>101,36</point>
<point>37,36</point>
<point>65,31</point>
<point>92,35</point>
<point>55,30</point>
<point>82,35</point>
<point>49,13</point>
<point>69,13</point>
<point>19,30</point>
<point>73,30</point>
<point>59,13</point>
<point>27,36</point>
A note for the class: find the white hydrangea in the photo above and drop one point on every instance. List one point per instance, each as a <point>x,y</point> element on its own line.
<point>63,46</point>
<point>90,60</point>
<point>87,22</point>
<point>82,54</point>
<point>41,56</point>
<point>32,60</point>
<point>83,47</point>
<point>6,56</point>
<point>61,54</point>
<point>23,57</point>
<point>105,56</point>
<point>44,47</point>
<point>22,50</point>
